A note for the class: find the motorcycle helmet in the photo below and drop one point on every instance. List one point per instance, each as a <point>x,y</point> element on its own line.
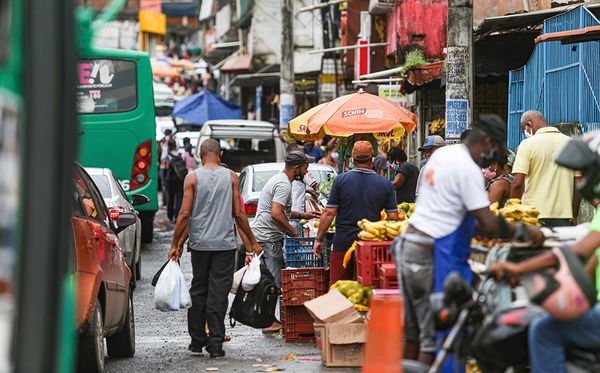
<point>566,293</point>
<point>583,154</point>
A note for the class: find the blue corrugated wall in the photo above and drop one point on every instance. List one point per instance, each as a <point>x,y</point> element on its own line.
<point>561,81</point>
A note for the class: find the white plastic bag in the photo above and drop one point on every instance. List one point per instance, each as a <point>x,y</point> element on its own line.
<point>171,292</point>
<point>252,275</point>
<point>237,279</point>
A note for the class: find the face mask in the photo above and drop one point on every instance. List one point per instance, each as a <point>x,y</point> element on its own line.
<point>485,159</point>
<point>335,155</point>
<point>489,174</point>
<point>528,133</point>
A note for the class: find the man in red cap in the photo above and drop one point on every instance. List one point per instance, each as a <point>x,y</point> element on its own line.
<point>355,195</point>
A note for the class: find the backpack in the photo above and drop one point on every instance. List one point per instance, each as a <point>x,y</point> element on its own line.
<point>178,166</point>
<point>256,308</point>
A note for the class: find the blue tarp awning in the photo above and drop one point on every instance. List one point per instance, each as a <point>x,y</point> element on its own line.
<point>180,9</point>
<point>204,106</point>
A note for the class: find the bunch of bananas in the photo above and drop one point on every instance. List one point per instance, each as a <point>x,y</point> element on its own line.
<point>514,211</point>
<point>356,293</point>
<point>382,230</point>
<point>438,126</point>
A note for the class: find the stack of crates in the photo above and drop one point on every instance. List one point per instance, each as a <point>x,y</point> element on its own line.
<point>306,278</point>
<point>369,256</point>
<point>388,277</point>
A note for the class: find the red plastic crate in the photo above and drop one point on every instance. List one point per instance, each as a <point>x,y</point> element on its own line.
<point>388,277</point>
<point>297,324</point>
<point>369,256</point>
<point>303,284</point>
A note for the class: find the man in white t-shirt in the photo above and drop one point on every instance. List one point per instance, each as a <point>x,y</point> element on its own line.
<point>452,201</point>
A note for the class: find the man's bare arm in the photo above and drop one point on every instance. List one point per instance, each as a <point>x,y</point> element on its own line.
<point>189,190</point>
<point>241,219</point>
<point>278,215</point>
<point>518,186</point>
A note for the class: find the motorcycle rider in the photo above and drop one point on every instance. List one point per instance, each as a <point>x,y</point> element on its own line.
<point>549,338</point>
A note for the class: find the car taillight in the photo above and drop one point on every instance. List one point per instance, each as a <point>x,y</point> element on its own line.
<point>250,208</point>
<point>115,212</point>
<point>141,165</point>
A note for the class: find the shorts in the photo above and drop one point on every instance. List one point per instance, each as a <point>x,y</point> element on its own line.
<point>416,273</point>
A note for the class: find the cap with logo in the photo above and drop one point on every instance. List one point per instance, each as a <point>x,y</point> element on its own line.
<point>432,141</point>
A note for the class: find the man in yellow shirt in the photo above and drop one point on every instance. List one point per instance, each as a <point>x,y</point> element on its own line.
<point>539,181</point>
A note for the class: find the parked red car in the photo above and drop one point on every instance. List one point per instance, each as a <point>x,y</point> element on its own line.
<point>104,291</point>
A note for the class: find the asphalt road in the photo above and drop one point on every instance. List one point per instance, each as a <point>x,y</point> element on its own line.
<point>162,338</point>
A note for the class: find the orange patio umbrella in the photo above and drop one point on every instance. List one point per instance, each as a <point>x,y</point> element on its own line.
<point>298,127</point>
<point>363,112</point>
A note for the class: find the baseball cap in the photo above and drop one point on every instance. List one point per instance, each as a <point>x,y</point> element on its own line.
<point>362,151</point>
<point>432,141</point>
<point>295,158</point>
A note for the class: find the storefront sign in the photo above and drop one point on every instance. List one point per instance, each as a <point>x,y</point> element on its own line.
<point>152,6</point>
<point>155,23</point>
<point>457,114</point>
<point>286,110</point>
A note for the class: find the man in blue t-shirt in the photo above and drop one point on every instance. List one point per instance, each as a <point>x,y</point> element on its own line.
<point>355,195</point>
<point>314,151</point>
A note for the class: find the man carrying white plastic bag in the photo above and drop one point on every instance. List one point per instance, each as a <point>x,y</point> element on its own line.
<point>171,292</point>
<point>206,216</point>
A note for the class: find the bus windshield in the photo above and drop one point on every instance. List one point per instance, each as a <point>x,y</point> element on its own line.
<point>106,86</point>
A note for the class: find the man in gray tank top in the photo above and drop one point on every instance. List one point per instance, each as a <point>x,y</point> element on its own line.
<point>206,216</point>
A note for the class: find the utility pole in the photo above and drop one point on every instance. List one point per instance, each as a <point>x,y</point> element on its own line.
<point>287,103</point>
<point>459,80</point>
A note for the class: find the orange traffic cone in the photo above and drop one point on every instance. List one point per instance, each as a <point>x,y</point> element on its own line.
<point>385,333</point>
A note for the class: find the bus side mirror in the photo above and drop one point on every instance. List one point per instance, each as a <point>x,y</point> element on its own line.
<point>139,199</point>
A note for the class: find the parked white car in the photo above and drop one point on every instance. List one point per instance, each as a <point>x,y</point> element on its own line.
<point>117,202</point>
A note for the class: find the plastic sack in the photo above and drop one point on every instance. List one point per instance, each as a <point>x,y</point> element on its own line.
<point>237,279</point>
<point>171,292</point>
<point>252,275</point>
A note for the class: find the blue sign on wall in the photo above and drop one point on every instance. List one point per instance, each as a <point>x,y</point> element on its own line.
<point>457,116</point>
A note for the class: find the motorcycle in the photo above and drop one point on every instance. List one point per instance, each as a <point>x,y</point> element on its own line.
<point>489,323</point>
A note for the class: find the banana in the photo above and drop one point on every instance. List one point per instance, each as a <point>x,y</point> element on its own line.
<point>366,236</point>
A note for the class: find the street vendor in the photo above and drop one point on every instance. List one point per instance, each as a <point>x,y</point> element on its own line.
<point>355,195</point>
<point>451,204</point>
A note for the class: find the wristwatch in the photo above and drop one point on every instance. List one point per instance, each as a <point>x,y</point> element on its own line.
<point>318,239</point>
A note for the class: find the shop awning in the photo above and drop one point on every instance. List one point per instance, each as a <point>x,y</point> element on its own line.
<point>180,9</point>
<point>256,79</point>
<point>238,64</point>
<point>523,20</point>
<point>573,36</point>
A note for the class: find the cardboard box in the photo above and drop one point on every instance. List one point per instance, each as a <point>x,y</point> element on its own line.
<point>331,308</point>
<point>341,345</point>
